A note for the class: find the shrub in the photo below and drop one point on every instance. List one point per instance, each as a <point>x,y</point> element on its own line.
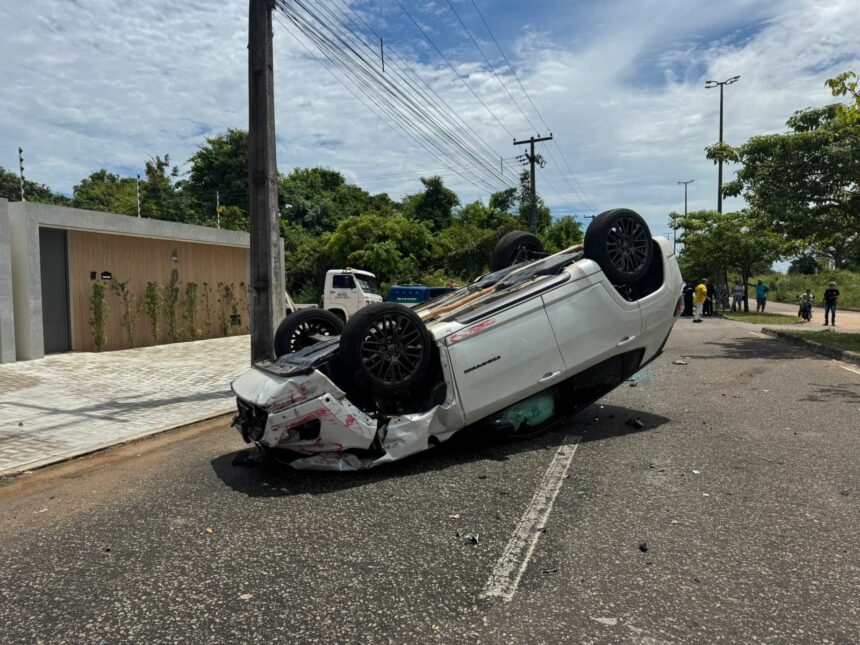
<point>207,308</point>
<point>99,313</point>
<point>171,299</point>
<point>151,305</point>
<point>130,310</point>
<point>226,306</point>
<point>191,310</point>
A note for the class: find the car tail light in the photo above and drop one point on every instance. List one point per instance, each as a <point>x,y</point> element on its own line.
<point>679,306</point>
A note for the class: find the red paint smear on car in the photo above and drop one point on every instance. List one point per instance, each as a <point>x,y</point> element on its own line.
<point>471,331</point>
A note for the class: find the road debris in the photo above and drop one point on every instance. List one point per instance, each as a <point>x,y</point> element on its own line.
<point>635,422</point>
<point>482,476</point>
<point>550,570</point>
<point>674,522</point>
<point>454,516</point>
<point>609,622</point>
<point>643,546</point>
<point>633,383</point>
<point>246,596</point>
<point>470,538</point>
<point>208,530</point>
<point>679,362</point>
<point>697,472</point>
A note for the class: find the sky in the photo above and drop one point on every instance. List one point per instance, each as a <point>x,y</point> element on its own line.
<point>91,84</point>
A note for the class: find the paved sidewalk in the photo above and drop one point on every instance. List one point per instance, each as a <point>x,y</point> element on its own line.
<point>70,404</point>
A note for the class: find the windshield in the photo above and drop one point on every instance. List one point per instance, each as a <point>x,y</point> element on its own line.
<point>367,285</point>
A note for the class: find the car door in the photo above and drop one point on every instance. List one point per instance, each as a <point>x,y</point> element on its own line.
<point>590,319</point>
<point>504,358</point>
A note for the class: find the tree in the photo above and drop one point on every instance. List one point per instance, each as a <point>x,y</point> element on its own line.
<point>395,248</point>
<point>434,205</point>
<point>715,243</point>
<point>220,166</point>
<point>159,197</point>
<point>804,184</point>
<point>10,188</point>
<point>804,265</point>
<point>845,84</point>
<point>563,233</point>
<point>107,192</point>
<point>544,215</point>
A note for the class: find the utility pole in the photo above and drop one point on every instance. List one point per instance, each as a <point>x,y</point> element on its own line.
<point>721,85</point>
<point>675,228</point>
<point>532,158</point>
<point>262,176</point>
<point>21,170</point>
<point>138,195</point>
<point>218,209</point>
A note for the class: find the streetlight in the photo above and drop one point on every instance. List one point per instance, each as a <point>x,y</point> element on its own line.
<point>709,85</point>
<point>674,229</point>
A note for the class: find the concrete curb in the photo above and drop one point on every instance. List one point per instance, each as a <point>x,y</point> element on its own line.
<point>22,469</point>
<point>817,348</point>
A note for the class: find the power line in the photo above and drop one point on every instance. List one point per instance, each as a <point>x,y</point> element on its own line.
<point>338,44</point>
<point>383,102</point>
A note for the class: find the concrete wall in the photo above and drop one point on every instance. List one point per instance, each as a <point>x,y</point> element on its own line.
<point>26,283</point>
<point>19,231</point>
<point>7,318</point>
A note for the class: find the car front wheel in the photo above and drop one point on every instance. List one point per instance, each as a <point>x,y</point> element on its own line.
<point>304,328</point>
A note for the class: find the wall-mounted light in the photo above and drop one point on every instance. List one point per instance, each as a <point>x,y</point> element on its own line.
<point>174,256</point>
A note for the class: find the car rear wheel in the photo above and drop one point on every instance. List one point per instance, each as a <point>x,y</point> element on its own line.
<point>385,349</point>
<point>620,242</point>
<point>514,248</point>
<point>304,328</point>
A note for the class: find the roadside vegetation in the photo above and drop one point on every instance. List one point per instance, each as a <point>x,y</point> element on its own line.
<point>837,340</point>
<point>761,318</point>
<point>786,288</point>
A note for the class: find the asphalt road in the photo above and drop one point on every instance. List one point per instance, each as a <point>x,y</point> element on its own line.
<point>732,516</point>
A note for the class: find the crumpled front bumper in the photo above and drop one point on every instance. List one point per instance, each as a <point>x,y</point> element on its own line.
<point>309,415</point>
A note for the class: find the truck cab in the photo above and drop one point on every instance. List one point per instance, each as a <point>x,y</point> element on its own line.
<point>348,290</point>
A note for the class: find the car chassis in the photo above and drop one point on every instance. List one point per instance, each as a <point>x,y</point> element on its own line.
<point>552,334</point>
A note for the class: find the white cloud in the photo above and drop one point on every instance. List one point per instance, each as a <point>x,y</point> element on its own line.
<point>91,83</point>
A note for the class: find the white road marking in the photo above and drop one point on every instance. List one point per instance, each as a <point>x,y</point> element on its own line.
<point>846,367</point>
<point>511,565</point>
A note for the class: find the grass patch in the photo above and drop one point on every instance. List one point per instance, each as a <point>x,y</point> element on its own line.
<point>761,318</point>
<point>786,288</point>
<point>837,340</point>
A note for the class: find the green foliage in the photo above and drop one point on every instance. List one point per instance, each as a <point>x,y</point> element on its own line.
<point>226,306</point>
<point>130,310</point>
<point>151,303</point>
<point>394,248</point>
<point>171,301</point>
<point>207,308</point>
<point>104,191</point>
<point>160,197</point>
<point>191,310</point>
<point>845,84</point>
<point>804,184</point>
<point>10,188</point>
<point>524,199</point>
<point>220,166</point>
<point>99,310</point>
<point>716,243</point>
<point>305,257</point>
<point>563,233</point>
<point>433,206</point>
<point>786,288</point>
<point>804,265</point>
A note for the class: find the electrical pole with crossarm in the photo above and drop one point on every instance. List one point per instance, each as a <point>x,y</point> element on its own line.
<point>532,158</point>
<point>263,187</point>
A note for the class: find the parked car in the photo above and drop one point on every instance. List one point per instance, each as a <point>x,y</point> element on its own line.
<point>541,335</point>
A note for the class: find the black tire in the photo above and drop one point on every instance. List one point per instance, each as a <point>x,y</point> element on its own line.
<point>385,349</point>
<point>620,242</point>
<point>297,331</point>
<point>514,248</point>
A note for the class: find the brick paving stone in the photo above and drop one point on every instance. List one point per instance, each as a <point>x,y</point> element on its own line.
<point>68,404</point>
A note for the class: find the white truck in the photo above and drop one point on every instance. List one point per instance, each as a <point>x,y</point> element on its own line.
<point>345,292</point>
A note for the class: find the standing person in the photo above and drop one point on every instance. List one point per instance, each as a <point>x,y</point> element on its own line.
<point>708,309</point>
<point>738,296</point>
<point>699,297</point>
<point>688,299</point>
<point>831,299</point>
<point>761,290</point>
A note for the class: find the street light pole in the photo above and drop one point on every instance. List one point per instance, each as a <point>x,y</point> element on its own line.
<point>675,229</point>
<point>721,85</point>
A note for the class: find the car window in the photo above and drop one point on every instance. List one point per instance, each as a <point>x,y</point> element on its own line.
<point>368,286</point>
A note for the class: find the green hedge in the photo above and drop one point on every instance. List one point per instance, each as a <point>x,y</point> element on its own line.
<point>786,288</point>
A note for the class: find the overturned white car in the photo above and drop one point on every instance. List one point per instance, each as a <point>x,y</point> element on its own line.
<point>538,336</point>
